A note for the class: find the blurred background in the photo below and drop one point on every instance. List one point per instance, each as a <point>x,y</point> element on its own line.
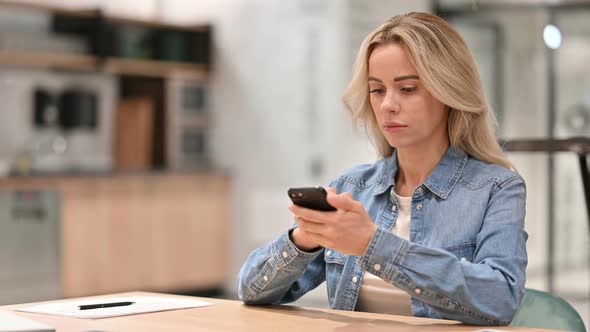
<point>149,144</point>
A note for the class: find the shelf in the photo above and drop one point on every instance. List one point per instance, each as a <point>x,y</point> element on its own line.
<point>112,64</point>
<point>33,5</point>
<point>117,66</point>
<point>48,60</point>
<point>153,68</point>
<point>96,12</point>
<point>155,23</point>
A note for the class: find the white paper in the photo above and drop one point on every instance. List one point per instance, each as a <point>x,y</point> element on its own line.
<point>142,304</point>
<point>14,323</point>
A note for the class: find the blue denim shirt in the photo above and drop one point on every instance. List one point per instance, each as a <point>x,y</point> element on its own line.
<point>465,260</point>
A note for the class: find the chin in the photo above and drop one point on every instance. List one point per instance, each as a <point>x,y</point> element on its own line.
<point>399,144</point>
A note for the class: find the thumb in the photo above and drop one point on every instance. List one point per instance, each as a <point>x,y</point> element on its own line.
<point>343,201</point>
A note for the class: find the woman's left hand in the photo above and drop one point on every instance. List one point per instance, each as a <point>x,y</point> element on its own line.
<point>347,230</point>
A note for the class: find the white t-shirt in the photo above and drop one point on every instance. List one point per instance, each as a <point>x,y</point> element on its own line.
<point>377,295</point>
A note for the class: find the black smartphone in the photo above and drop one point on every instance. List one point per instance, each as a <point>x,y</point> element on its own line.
<point>311,198</point>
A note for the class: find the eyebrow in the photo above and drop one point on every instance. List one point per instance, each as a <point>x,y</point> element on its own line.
<point>397,79</point>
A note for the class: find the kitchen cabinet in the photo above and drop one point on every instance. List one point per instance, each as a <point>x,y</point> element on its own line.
<point>158,232</point>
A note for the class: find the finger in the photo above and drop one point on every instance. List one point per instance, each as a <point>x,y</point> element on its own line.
<point>345,202</point>
<point>312,215</point>
<point>331,190</point>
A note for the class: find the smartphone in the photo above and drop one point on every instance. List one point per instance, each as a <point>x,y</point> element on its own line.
<point>311,198</point>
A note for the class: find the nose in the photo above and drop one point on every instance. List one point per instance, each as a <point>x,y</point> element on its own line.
<point>390,103</point>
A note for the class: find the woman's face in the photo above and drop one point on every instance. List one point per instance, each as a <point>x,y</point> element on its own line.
<point>407,114</point>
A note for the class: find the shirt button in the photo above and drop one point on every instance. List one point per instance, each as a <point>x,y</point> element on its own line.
<point>394,207</point>
<point>419,190</point>
<point>463,259</point>
<point>377,267</point>
<point>285,254</point>
<point>329,253</point>
<point>417,291</point>
<point>265,278</point>
<point>355,280</point>
<point>419,206</point>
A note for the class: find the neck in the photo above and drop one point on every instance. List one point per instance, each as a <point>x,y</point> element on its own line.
<point>416,164</point>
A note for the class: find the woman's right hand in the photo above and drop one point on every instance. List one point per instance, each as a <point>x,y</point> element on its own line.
<point>302,240</point>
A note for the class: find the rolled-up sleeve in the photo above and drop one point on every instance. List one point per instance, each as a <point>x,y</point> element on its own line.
<point>280,273</point>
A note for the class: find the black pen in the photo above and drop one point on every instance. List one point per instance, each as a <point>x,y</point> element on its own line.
<point>104,305</point>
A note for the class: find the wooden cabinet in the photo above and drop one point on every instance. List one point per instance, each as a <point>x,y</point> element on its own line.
<point>155,232</point>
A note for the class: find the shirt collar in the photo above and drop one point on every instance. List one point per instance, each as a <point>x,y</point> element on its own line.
<point>440,182</point>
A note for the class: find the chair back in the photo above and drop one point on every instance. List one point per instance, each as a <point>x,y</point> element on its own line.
<point>542,310</point>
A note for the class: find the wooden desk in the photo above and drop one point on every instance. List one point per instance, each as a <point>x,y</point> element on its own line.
<point>227,315</point>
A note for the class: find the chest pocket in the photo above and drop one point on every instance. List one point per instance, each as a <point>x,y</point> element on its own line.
<point>463,251</point>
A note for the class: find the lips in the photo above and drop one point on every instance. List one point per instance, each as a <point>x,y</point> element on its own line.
<point>393,125</point>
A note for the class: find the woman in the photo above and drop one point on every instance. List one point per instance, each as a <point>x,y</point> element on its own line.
<point>435,227</point>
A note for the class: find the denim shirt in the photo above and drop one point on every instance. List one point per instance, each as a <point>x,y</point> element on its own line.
<point>465,260</point>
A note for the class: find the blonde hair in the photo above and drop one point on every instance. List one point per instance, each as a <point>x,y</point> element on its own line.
<point>447,70</point>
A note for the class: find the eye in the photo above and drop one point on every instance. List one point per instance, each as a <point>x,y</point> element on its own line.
<point>376,91</point>
<point>409,89</point>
